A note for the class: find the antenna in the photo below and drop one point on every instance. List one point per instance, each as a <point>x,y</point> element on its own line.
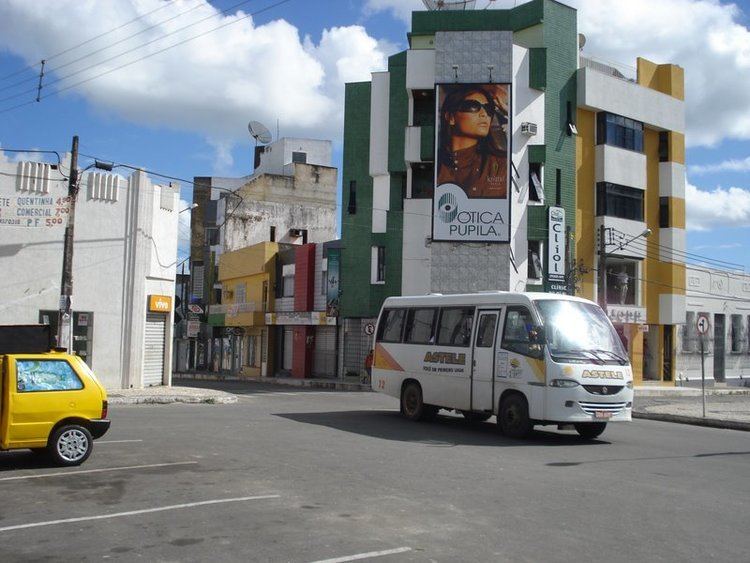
<point>449,4</point>
<point>260,132</point>
<point>581,41</point>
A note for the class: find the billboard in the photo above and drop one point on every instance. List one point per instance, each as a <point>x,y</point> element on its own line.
<point>472,169</point>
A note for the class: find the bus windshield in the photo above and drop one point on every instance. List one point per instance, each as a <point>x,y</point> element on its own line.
<point>580,332</point>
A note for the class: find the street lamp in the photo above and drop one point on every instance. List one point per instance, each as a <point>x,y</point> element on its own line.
<point>603,254</point>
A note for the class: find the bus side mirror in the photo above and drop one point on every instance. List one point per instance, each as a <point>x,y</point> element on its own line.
<point>537,335</point>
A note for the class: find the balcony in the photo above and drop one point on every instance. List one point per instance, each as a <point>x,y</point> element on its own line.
<point>248,313</point>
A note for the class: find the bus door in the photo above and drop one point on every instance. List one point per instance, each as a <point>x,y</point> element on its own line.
<point>483,365</point>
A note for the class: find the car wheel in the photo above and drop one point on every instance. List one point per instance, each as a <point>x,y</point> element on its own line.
<point>412,406</point>
<point>472,416</point>
<point>590,430</point>
<point>513,417</point>
<point>70,445</point>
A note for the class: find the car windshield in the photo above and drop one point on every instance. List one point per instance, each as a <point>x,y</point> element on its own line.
<point>581,332</point>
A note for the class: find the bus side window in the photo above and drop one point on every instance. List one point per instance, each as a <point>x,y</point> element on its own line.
<point>391,323</point>
<point>454,328</point>
<point>420,324</point>
<point>518,321</point>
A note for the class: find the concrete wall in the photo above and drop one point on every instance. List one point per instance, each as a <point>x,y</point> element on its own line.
<point>278,154</point>
<point>125,250</point>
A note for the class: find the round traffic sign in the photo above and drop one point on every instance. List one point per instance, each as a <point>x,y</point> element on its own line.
<point>369,329</point>
<point>702,324</point>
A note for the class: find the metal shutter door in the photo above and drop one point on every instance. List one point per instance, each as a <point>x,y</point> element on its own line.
<point>288,346</point>
<point>324,356</point>
<point>153,354</point>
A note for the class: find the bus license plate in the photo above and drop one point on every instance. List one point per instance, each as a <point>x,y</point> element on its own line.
<point>602,414</point>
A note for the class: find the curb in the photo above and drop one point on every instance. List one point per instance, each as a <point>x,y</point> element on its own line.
<point>332,384</point>
<point>226,399</point>
<point>695,421</point>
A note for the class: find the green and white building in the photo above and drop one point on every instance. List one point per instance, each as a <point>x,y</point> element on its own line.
<point>390,151</point>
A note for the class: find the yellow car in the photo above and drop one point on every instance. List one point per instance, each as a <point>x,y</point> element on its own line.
<point>51,403</point>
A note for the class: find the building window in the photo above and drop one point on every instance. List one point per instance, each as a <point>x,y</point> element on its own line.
<point>352,208</point>
<point>240,293</point>
<point>614,200</point>
<point>663,146</point>
<point>454,328</point>
<point>377,265</point>
<point>324,282</point>
<point>299,157</point>
<point>424,108</point>
<point>689,333</point>
<point>264,296</point>
<point>619,131</point>
<point>536,188</point>
<point>251,356</point>
<point>534,265</point>
<point>735,334</point>
<point>288,286</point>
<point>272,235</point>
<point>622,278</point>
<point>422,181</point>
<point>664,212</point>
<point>212,236</point>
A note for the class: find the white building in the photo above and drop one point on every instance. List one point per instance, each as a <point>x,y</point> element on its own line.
<point>723,297</point>
<point>123,266</point>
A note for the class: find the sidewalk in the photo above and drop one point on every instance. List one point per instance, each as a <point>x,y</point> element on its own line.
<point>345,384</point>
<point>725,407</point>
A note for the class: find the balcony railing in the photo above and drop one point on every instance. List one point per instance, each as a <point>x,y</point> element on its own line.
<point>616,70</point>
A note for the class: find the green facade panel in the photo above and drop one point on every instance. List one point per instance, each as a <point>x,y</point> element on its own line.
<point>521,17</point>
<point>538,68</point>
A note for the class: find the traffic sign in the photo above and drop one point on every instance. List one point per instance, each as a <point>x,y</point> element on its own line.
<point>193,308</point>
<point>369,329</point>
<point>702,323</point>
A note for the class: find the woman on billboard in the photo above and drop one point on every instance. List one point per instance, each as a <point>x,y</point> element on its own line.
<point>472,150</point>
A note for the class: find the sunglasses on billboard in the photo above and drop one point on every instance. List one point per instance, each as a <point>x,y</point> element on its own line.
<point>475,106</point>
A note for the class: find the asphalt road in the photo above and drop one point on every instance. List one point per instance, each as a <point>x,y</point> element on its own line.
<point>302,476</point>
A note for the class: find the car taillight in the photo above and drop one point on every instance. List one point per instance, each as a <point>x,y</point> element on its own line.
<point>105,409</point>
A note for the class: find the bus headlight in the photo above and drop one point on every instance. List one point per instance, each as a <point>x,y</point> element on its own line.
<point>563,383</point>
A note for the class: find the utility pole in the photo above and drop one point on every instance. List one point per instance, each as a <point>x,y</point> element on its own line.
<point>601,269</point>
<point>64,319</point>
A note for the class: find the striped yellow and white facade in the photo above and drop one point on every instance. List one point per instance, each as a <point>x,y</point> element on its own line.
<point>655,98</point>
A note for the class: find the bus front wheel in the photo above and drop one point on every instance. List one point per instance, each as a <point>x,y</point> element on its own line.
<point>590,430</point>
<point>513,417</point>
<point>412,405</point>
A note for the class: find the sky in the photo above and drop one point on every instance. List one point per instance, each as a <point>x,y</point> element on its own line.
<point>170,85</point>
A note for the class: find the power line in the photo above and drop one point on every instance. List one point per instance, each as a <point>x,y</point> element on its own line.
<point>257,12</point>
<point>688,258</point>
<point>31,67</point>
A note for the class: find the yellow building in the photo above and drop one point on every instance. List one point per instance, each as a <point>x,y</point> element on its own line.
<point>247,279</point>
<point>630,217</point>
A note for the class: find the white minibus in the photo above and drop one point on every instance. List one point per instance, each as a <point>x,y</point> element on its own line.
<point>529,358</point>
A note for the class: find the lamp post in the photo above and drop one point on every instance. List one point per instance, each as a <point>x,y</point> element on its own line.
<point>603,255</point>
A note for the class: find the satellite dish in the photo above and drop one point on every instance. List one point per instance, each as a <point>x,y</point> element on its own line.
<point>581,41</point>
<point>259,132</point>
<point>449,4</point>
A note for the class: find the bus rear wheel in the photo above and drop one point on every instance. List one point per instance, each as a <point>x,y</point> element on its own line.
<point>513,417</point>
<point>590,430</point>
<point>412,405</point>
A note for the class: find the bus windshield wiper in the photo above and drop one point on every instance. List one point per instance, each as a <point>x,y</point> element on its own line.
<point>591,354</point>
<point>618,357</point>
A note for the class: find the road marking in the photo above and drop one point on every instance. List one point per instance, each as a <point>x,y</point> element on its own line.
<point>361,555</point>
<point>116,441</point>
<point>59,473</point>
<point>133,512</point>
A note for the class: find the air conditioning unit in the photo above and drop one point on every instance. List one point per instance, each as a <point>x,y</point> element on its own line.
<point>528,128</point>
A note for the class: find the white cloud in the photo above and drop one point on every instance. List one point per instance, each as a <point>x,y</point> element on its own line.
<point>732,165</point>
<point>717,208</point>
<point>212,85</point>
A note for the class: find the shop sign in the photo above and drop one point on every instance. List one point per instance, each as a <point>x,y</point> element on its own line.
<point>556,245</point>
<point>627,315</point>
<point>159,303</point>
<point>193,329</point>
<point>300,318</point>
<point>34,211</point>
